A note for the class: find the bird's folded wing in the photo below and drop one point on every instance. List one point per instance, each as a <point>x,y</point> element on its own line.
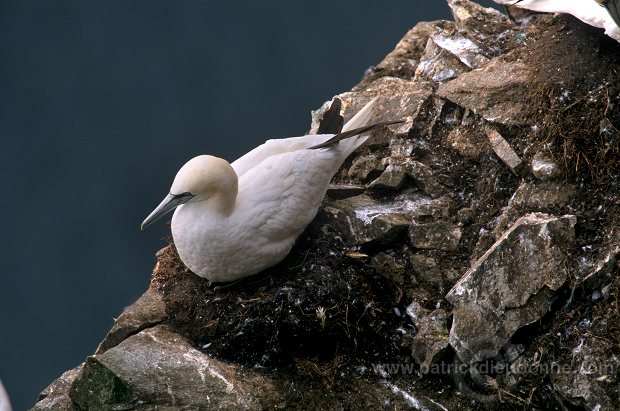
<point>274,147</point>
<point>288,145</point>
<point>284,193</point>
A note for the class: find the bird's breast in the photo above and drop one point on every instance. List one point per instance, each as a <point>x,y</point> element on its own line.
<point>222,248</point>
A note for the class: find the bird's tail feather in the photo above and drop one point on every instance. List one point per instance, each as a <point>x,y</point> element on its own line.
<point>356,131</point>
<point>356,126</point>
<point>360,119</point>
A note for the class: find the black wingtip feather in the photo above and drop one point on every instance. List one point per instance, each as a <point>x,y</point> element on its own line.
<point>354,132</point>
<point>332,121</point>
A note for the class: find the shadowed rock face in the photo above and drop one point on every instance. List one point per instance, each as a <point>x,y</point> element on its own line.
<point>511,285</point>
<point>457,258</point>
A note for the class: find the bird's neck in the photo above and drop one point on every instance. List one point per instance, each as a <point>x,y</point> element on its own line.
<point>223,202</point>
<point>223,196</point>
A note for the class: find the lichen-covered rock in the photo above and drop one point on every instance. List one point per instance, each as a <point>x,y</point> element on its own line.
<point>56,396</point>
<point>132,373</point>
<point>424,178</point>
<point>431,338</point>
<point>392,178</point>
<point>492,31</point>
<point>598,271</point>
<point>446,57</point>
<point>492,92</point>
<point>503,150</point>
<point>589,380</point>
<point>363,167</point>
<point>534,197</point>
<point>364,220</point>
<point>439,235</point>
<point>147,311</point>
<point>468,142</point>
<point>544,167</point>
<point>511,285</point>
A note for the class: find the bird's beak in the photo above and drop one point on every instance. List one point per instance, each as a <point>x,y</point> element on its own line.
<point>171,202</point>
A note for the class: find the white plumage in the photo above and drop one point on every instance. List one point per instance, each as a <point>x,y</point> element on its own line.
<point>5,404</point>
<point>235,220</point>
<point>598,13</point>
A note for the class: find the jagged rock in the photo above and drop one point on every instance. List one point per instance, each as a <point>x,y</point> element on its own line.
<point>505,153</point>
<point>468,52</point>
<point>454,48</point>
<point>440,62</point>
<point>402,99</point>
<point>405,102</point>
<point>541,195</point>
<point>492,92</point>
<point>339,191</point>
<point>364,220</point>
<point>159,367</point>
<point>432,336</point>
<point>589,380</point>
<point>532,197</point>
<point>439,235</point>
<point>428,271</point>
<point>392,178</point>
<point>511,285</point>
<point>147,311</point>
<point>389,267</point>
<point>424,178</point>
<point>403,60</point>
<point>56,396</point>
<point>424,267</point>
<point>437,208</point>
<point>465,10</point>
<point>364,166</point>
<point>602,270</point>
<point>492,31</point>
<point>401,148</point>
<point>467,142</point>
<point>544,167</point>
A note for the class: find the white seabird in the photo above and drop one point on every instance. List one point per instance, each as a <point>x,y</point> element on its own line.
<point>604,14</point>
<point>235,220</point>
<point>5,404</point>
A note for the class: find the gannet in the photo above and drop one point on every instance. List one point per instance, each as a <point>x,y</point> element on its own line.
<point>604,14</point>
<point>5,404</point>
<point>235,220</point>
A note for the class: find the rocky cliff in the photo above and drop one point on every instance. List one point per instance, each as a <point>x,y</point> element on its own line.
<point>466,259</point>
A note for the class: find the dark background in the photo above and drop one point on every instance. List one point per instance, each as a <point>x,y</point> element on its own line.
<point>101,102</point>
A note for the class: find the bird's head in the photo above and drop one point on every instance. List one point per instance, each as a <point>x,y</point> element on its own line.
<point>201,178</point>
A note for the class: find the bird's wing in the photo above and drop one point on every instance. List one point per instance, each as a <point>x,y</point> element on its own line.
<point>284,193</point>
<point>288,145</point>
<point>587,11</point>
<point>613,7</point>
<point>274,147</point>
